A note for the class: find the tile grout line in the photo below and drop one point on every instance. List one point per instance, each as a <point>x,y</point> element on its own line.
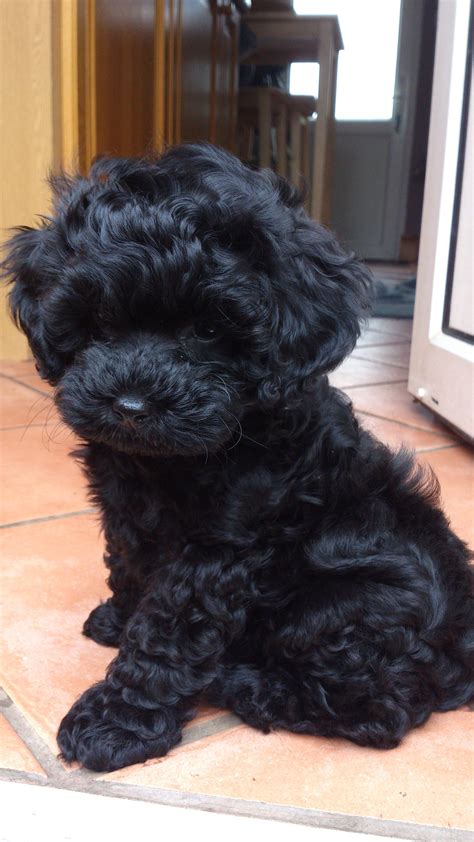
<point>355,356</point>
<point>439,447</point>
<point>396,421</point>
<point>396,336</point>
<point>215,725</point>
<point>369,385</point>
<point>81,780</point>
<point>393,332</point>
<point>16,777</point>
<point>242,808</point>
<point>394,340</point>
<point>57,774</point>
<point>46,518</point>
<point>27,734</point>
<point>26,385</point>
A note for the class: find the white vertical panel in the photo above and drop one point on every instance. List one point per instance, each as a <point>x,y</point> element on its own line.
<point>442,366</point>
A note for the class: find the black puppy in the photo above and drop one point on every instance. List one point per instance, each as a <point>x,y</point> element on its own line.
<point>265,552</point>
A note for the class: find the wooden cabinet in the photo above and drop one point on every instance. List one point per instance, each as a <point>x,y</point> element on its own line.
<point>153,73</point>
<point>224,74</point>
<point>188,84</point>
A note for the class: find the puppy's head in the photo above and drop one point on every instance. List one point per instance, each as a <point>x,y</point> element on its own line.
<point>167,299</point>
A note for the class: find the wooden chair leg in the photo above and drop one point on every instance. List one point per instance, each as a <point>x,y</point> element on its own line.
<point>282,121</point>
<point>295,144</point>
<point>264,128</point>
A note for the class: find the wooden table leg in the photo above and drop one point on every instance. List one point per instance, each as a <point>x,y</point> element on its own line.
<point>295,145</point>
<point>320,202</point>
<point>305,160</point>
<point>264,128</point>
<point>281,141</point>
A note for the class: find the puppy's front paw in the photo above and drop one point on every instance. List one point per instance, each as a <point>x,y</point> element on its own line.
<point>104,733</point>
<point>105,624</point>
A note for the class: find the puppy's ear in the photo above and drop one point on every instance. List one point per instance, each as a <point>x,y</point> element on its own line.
<point>328,294</point>
<point>26,266</point>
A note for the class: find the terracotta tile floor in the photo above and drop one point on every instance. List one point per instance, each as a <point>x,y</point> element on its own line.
<point>53,576</point>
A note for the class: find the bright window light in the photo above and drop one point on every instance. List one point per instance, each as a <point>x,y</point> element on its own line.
<point>367,64</point>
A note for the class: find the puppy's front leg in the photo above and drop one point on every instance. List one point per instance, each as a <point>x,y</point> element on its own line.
<point>106,622</point>
<point>169,654</point>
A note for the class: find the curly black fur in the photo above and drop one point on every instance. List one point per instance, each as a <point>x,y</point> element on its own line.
<point>265,552</point>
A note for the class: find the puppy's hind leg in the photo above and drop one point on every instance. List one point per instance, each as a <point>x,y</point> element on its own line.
<point>359,657</point>
<point>263,698</point>
<point>310,698</point>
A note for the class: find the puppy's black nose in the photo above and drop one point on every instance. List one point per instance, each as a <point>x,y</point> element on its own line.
<point>131,410</point>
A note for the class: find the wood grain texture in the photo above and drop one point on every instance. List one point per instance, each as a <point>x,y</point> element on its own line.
<point>67,81</point>
<point>224,58</point>
<point>88,48</point>
<point>125,34</point>
<point>26,128</point>
<point>159,77</point>
<point>195,73</point>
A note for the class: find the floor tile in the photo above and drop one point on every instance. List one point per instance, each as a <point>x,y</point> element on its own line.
<point>42,479</point>
<point>393,401</point>
<point>51,579</point>
<point>396,354</point>
<point>423,780</point>
<point>34,381</point>
<point>21,406</point>
<point>374,338</point>
<point>454,468</point>
<point>17,368</point>
<point>397,327</point>
<point>14,754</point>
<point>355,372</point>
<point>395,434</point>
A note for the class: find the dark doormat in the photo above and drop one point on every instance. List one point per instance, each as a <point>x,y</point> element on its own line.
<point>394,298</point>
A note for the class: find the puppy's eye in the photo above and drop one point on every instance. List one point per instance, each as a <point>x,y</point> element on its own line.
<point>205,331</point>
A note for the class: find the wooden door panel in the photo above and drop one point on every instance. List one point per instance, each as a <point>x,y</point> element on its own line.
<point>225,60</point>
<point>124,52</point>
<point>195,95</point>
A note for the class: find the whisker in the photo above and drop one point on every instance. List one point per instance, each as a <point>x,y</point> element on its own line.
<point>259,443</point>
<point>31,420</point>
<point>241,433</point>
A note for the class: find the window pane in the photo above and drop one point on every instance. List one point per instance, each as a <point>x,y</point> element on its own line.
<point>304,78</point>
<point>368,62</point>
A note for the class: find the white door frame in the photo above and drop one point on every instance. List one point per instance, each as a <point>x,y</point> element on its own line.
<point>441,365</point>
<point>406,85</point>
